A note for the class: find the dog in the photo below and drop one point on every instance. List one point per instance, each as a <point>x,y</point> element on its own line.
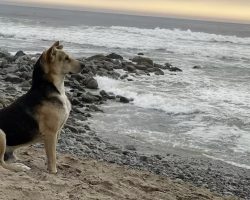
<point>39,115</point>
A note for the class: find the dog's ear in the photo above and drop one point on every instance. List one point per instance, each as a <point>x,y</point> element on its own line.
<point>60,47</point>
<point>50,54</point>
<point>56,44</point>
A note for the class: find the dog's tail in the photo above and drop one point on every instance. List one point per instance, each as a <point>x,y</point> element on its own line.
<point>14,166</point>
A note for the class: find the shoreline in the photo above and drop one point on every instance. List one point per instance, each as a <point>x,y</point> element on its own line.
<point>78,139</point>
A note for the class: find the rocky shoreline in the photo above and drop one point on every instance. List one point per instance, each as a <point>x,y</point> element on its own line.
<point>78,138</point>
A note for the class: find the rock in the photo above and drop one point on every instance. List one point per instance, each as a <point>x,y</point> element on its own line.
<point>92,84</point>
<point>97,57</point>
<point>175,69</point>
<point>114,56</point>
<point>19,54</point>
<point>141,67</point>
<point>13,78</point>
<point>4,54</point>
<point>124,99</point>
<point>140,54</point>
<point>94,108</point>
<point>88,98</point>
<point>159,72</point>
<point>130,79</point>
<point>131,68</point>
<point>106,95</point>
<point>124,76</point>
<point>130,147</point>
<point>160,66</point>
<point>143,60</point>
<point>197,67</point>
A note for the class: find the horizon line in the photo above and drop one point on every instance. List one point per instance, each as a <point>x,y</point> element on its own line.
<point>120,12</point>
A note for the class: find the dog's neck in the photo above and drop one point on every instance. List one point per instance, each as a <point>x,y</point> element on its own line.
<point>58,82</point>
<point>45,86</point>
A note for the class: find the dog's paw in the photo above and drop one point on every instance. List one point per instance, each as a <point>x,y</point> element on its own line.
<point>19,167</point>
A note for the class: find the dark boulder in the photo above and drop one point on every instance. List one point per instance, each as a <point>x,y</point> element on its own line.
<point>123,99</point>
<point>4,54</point>
<point>159,72</point>
<point>143,60</point>
<point>140,54</point>
<point>97,57</point>
<point>141,67</point>
<point>89,98</point>
<point>91,83</point>
<point>124,76</point>
<point>175,69</point>
<point>19,54</point>
<point>131,68</point>
<point>13,78</point>
<point>197,67</point>
<point>107,95</point>
<point>114,56</point>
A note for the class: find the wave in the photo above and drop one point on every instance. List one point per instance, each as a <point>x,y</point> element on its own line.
<point>2,35</point>
<point>228,162</point>
<point>114,36</point>
<point>144,99</point>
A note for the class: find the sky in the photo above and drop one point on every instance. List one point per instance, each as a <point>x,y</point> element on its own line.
<point>218,10</point>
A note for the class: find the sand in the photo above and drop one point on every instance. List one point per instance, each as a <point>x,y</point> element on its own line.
<point>84,178</point>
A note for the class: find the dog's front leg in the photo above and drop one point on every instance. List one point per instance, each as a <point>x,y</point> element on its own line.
<point>50,141</point>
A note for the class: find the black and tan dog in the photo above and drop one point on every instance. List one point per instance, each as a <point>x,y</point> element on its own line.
<point>39,115</point>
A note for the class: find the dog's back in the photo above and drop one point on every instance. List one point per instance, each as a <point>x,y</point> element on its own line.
<point>18,122</point>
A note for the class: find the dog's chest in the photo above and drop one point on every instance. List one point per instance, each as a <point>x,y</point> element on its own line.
<point>53,114</point>
<point>65,109</point>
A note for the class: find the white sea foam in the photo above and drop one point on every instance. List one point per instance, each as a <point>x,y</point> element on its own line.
<point>146,99</point>
<point>131,38</point>
<point>228,162</point>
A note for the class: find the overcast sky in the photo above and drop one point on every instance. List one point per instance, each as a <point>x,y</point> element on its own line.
<point>228,10</point>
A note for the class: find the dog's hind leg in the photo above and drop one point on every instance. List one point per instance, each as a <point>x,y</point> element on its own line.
<point>13,166</point>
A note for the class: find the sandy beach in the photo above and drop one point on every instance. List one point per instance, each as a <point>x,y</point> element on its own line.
<point>84,178</point>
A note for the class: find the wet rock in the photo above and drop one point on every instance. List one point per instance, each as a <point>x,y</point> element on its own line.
<point>94,108</point>
<point>4,54</point>
<point>114,56</point>
<point>97,57</point>
<point>106,95</point>
<point>159,72</point>
<point>124,76</point>
<point>175,69</point>
<point>141,67</point>
<point>13,78</point>
<point>160,66</point>
<point>130,147</point>
<point>19,54</point>
<point>197,67</point>
<point>91,83</point>
<point>143,60</point>
<point>124,99</point>
<point>89,98</point>
<point>140,54</point>
<point>131,68</point>
<point>167,65</point>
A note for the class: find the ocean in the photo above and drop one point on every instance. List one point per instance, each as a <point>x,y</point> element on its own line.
<point>204,110</point>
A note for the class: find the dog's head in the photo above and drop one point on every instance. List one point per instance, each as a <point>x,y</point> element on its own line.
<point>58,62</point>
